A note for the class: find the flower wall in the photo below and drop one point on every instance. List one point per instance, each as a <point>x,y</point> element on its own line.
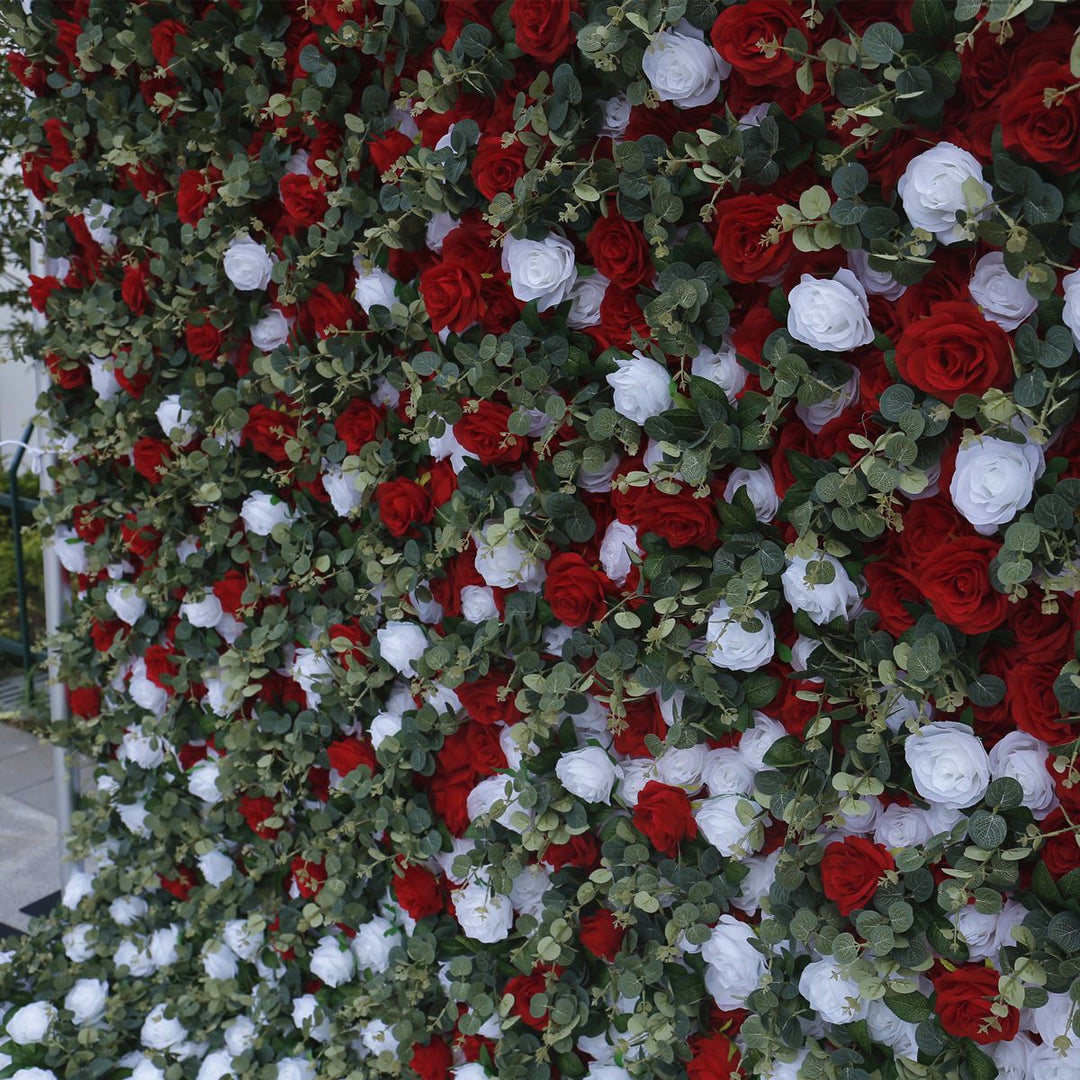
<point>571,511</point>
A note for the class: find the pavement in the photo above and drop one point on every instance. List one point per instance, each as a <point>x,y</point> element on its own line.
<point>29,844</point>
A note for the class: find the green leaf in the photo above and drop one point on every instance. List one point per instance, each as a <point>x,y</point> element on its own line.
<point>980,1065</point>
<point>987,830</point>
<point>986,691</point>
<point>1064,931</point>
<point>881,42</point>
<point>912,1007</point>
<point>1004,793</point>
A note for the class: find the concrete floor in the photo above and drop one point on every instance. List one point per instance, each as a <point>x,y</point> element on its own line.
<point>29,846</point>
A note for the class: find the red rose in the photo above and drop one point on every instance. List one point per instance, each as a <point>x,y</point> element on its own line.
<point>403,504</point>
<point>1060,853</point>
<point>580,851</point>
<point>193,194</point>
<point>69,374</point>
<point>303,198</point>
<point>326,311</point>
<point>964,997</point>
<point>482,701</point>
<point>181,885</point>
<point>387,149</point>
<point>359,424</point>
<point>203,339</point>
<point>351,753</point>
<point>417,892</point>
<point>151,458</point>
<point>41,288</point>
<point>576,593</point>
<point>163,40</point>
<point>601,935</point>
<point>619,250</point>
<point>736,33</point>
<point>230,590</point>
<point>160,667</point>
<point>309,877</point>
<point>892,590</point>
<point>255,810</point>
<point>431,1062</point>
<point>682,520</point>
<point>959,589</point>
<point>451,294</point>
<point>268,430</point>
<point>84,701</point>
<point>496,167</point>
<point>1032,703</point>
<point>133,288</point>
<point>523,988</point>
<point>1041,638</point>
<point>483,432</point>
<point>642,717</point>
<point>542,27</point>
<point>1048,134</point>
<point>851,870</point>
<point>621,317</point>
<point>663,814</point>
<point>954,351</point>
<point>741,223</point>
<point>716,1057</point>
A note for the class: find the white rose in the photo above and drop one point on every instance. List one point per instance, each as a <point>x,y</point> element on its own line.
<point>374,288</point>
<point>731,646</point>
<point>484,916</point>
<point>243,941</point>
<point>1054,1019</point>
<point>948,764</point>
<point>162,946</point>
<point>216,867</point>
<point>734,966</point>
<point>875,282</point>
<point>619,542</point>
<point>295,1068</point>
<point>614,116</point>
<point>134,816</point>
<point>994,480</point>
<point>247,264</point>
<point>683,69</point>
<point>831,994</point>
<point>216,1066</point>
<point>903,826</point>
<point>31,1023</point>
<point>260,512</point>
<point>438,228</point>
<point>271,331</point>
<point>1016,1059</point>
<point>540,270</point>
<point>70,550</point>
<point>682,768</point>
<point>146,751</point>
<point>80,884</point>
<point>401,644</point>
<point>598,480</point>
<point>345,488</point>
<point>373,943</point>
<point>332,961</point>
<point>202,781</point>
<point>131,955</point>
<point>1002,298</point>
<point>932,190</point>
<point>760,488</point>
<point>145,1069</point>
<point>816,416</point>
<point>385,725</point>
<point>637,772</point>
<point>487,794</point>
<point>718,819</point>
<point>529,888</point>
<point>1023,758</point>
<point>506,564</point>
<point>588,773</point>
<point>1070,314</point>
<point>127,910</point>
<point>585,296</point>
<point>172,418</point>
<point>1045,1062</point>
<point>755,741</point>
<point>204,613</point>
<point>727,772</point>
<point>219,962</point>
<point>478,603</point>
<point>86,1000</point>
<point>240,1035</point>
<point>125,601</point>
<point>722,368</point>
<point>103,377</point>
<point>144,692</point>
<point>77,945</point>
<point>642,387</point>
<point>97,224</point>
<point>822,601</point>
<point>830,314</point>
<point>607,1072</point>
<point>304,1009</point>
<point>161,1032</point>
<point>886,1027</point>
<point>754,888</point>
<point>32,1073</point>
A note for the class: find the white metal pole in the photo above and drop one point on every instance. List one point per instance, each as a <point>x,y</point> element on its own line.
<point>65,768</point>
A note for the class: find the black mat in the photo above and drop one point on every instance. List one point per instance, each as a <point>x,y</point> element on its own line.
<point>42,906</point>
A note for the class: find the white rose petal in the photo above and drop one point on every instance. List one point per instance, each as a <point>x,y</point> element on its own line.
<point>1002,298</point>
<point>948,764</point>
<point>994,480</point>
<point>734,966</point>
<point>822,601</point>
<point>683,69</point>
<point>732,647</point>
<point>642,387</point>
<point>588,773</point>
<point>540,270</point>
<point>932,190</point>
<point>247,264</point>
<point>831,315</point>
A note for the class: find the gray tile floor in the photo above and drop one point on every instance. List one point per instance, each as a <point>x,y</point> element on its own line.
<point>29,846</point>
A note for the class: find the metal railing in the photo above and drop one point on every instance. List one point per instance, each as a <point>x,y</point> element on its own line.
<point>21,510</point>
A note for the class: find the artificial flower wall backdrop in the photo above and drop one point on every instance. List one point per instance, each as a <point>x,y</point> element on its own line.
<point>571,511</point>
